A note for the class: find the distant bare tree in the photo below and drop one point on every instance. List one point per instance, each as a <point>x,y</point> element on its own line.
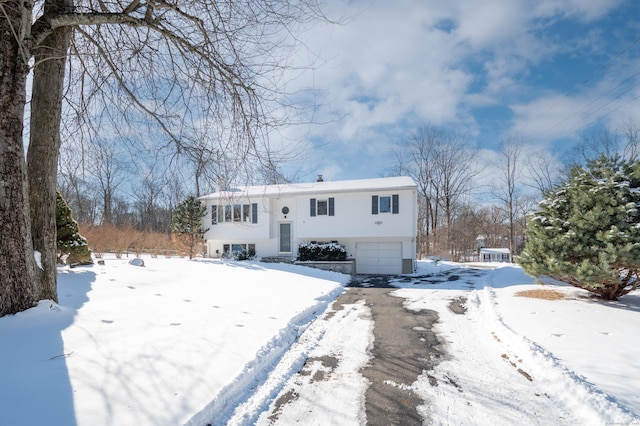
<point>495,225</point>
<point>74,187</point>
<point>630,129</point>
<point>595,143</point>
<point>419,162</point>
<point>107,172</point>
<point>602,141</point>
<point>443,166</point>
<point>508,192</point>
<point>525,205</point>
<point>544,170</point>
<point>455,168</point>
<point>149,194</point>
<point>467,226</point>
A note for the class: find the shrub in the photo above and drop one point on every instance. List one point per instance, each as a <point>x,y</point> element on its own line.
<point>69,241</point>
<point>186,223</point>
<point>125,239</point>
<point>587,231</point>
<point>245,255</point>
<point>241,255</point>
<point>321,251</point>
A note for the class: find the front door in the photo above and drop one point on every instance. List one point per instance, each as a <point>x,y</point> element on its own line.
<point>285,238</point>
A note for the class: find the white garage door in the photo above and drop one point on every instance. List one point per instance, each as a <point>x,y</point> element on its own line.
<point>379,258</point>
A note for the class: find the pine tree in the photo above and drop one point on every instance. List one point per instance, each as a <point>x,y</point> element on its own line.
<point>187,222</point>
<point>69,241</point>
<point>587,230</point>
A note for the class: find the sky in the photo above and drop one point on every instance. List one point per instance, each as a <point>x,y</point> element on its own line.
<point>166,344</point>
<point>545,70</point>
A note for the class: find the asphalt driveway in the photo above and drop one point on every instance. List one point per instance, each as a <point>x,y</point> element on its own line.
<point>404,347</point>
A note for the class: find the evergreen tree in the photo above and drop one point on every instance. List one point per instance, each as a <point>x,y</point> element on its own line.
<point>587,230</point>
<point>69,241</point>
<point>187,222</point>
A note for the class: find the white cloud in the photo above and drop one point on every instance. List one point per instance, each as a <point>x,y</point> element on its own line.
<point>413,63</point>
<point>580,9</point>
<point>560,115</point>
<point>487,23</point>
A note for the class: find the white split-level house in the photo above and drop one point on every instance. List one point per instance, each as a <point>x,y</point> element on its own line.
<point>374,219</point>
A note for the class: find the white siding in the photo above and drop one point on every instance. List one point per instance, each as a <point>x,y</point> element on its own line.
<point>353,218</point>
<point>392,236</point>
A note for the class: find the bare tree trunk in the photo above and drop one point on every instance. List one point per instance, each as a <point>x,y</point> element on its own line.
<point>544,170</point>
<point>215,75</point>
<point>511,150</point>
<point>17,263</point>
<point>44,147</point>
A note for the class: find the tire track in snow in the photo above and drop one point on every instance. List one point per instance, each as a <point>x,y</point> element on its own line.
<point>585,401</point>
<point>241,401</point>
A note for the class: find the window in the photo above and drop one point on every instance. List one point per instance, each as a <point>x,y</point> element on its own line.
<point>239,251</point>
<point>234,213</point>
<point>322,207</point>
<point>254,213</point>
<point>385,204</point>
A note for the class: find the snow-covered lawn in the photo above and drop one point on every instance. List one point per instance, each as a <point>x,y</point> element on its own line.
<point>153,345</point>
<point>181,341</point>
<point>522,360</point>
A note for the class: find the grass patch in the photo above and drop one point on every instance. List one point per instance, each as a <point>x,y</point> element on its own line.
<point>541,294</point>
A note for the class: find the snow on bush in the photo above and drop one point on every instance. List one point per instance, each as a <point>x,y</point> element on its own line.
<point>311,251</point>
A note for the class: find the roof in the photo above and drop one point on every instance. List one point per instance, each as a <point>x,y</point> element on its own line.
<point>495,250</point>
<point>378,184</point>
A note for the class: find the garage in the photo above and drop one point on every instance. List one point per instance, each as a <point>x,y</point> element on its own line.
<point>379,258</point>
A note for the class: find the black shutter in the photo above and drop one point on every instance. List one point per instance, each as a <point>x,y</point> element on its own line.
<point>214,214</point>
<point>332,208</point>
<point>374,204</point>
<point>254,213</point>
<point>312,206</point>
<point>395,204</point>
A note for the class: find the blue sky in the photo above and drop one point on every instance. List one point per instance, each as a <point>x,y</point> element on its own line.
<point>546,70</point>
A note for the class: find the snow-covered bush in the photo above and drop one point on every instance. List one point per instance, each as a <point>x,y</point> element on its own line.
<point>248,254</point>
<point>321,251</point>
<point>587,230</point>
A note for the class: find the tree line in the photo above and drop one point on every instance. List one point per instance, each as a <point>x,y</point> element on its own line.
<point>469,198</point>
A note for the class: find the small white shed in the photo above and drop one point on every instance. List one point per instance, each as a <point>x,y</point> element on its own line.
<point>495,255</point>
